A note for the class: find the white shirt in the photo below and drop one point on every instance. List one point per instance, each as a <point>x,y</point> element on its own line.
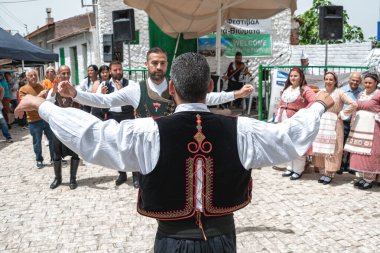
<point>134,145</point>
<point>85,86</point>
<point>130,95</point>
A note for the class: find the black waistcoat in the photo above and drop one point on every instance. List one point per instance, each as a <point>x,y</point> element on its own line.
<point>187,139</point>
<point>127,111</point>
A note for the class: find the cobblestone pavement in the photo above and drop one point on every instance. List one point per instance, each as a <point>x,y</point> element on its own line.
<point>284,216</point>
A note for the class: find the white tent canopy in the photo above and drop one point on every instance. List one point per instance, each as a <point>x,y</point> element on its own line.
<point>195,18</point>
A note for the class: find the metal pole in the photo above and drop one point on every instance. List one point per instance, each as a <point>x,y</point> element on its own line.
<point>176,46</point>
<point>326,55</point>
<point>129,55</point>
<point>218,43</point>
<point>260,91</point>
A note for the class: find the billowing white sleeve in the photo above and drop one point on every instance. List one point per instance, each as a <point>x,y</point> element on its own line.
<point>132,145</point>
<point>262,144</point>
<point>217,98</point>
<point>129,95</point>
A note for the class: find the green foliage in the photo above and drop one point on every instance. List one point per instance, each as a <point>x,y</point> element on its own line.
<point>309,31</point>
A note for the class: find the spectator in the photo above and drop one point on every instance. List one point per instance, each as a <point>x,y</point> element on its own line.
<point>328,145</point>
<point>36,125</point>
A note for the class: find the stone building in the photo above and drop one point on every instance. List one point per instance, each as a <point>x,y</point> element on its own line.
<point>72,38</point>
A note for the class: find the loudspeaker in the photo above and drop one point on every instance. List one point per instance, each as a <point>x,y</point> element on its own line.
<point>330,22</point>
<point>123,25</point>
<point>107,47</point>
<point>112,50</point>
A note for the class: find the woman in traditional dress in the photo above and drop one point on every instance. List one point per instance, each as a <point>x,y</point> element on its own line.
<point>295,96</point>
<point>364,139</point>
<point>328,145</point>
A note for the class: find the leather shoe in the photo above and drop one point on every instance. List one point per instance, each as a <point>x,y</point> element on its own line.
<point>57,182</point>
<point>360,182</point>
<point>287,173</point>
<point>121,179</point>
<point>321,179</point>
<point>295,176</point>
<point>365,185</point>
<point>327,180</point>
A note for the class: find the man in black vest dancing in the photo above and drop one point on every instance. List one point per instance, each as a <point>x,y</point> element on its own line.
<point>149,97</point>
<point>193,177</point>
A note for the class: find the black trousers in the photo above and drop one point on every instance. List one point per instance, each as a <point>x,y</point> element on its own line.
<point>184,236</point>
<point>225,243</point>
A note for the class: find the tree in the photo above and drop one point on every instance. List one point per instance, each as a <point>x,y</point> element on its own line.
<point>309,31</point>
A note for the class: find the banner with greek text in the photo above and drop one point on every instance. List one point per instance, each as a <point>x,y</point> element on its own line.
<point>252,37</point>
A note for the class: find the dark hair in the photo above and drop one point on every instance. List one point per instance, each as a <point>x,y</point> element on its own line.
<point>155,50</point>
<point>190,74</point>
<point>373,76</point>
<point>7,73</point>
<point>101,68</point>
<point>238,54</point>
<point>334,75</point>
<point>93,66</point>
<point>115,63</point>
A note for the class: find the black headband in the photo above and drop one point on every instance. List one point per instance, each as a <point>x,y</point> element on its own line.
<point>372,75</point>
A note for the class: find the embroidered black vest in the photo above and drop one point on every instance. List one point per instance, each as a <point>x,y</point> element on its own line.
<point>192,141</point>
<point>127,111</point>
<point>153,105</point>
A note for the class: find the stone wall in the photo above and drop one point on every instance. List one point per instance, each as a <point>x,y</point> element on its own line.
<point>104,26</point>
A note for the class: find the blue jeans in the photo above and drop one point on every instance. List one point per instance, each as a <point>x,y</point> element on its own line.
<point>36,128</point>
<point>4,127</point>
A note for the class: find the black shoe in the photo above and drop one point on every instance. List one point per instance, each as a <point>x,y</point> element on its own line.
<point>295,176</point>
<point>327,180</point>
<point>57,182</point>
<point>321,179</point>
<point>351,172</point>
<point>58,174</point>
<point>121,179</point>
<point>74,164</point>
<point>287,173</point>
<point>365,185</point>
<point>340,172</point>
<point>136,176</point>
<point>360,182</point>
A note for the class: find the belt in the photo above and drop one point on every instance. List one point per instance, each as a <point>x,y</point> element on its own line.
<point>189,229</point>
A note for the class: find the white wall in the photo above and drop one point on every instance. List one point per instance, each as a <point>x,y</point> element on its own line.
<point>77,41</point>
<point>347,54</point>
<point>104,26</point>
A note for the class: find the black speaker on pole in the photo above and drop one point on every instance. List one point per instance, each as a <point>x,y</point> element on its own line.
<point>107,47</point>
<point>331,22</point>
<point>123,25</point>
<point>112,50</point>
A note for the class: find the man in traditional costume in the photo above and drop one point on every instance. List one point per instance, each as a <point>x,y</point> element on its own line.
<point>195,165</point>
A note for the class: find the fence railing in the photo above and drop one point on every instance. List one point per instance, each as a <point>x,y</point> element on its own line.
<point>135,74</point>
<point>265,81</point>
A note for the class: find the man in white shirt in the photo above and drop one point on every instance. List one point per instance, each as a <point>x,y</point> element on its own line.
<point>149,98</point>
<point>184,162</point>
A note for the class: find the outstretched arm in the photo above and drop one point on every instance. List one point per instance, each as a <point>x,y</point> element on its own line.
<point>129,95</point>
<point>117,146</point>
<point>262,144</point>
<point>217,98</point>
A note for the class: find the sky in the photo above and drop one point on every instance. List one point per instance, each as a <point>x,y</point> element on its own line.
<point>14,14</point>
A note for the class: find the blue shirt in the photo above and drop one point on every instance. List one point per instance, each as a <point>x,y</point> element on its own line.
<point>4,84</point>
<point>353,94</point>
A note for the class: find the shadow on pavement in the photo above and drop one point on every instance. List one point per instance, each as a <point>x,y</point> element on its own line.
<point>262,229</point>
